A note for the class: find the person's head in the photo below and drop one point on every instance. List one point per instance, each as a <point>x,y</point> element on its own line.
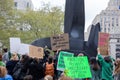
<point>14,56</point>
<point>5,50</point>
<point>46,53</point>
<point>107,59</point>
<point>94,63</point>
<point>28,77</point>
<point>93,60</point>
<point>36,60</point>
<point>3,71</point>
<point>80,54</point>
<point>117,61</point>
<point>63,77</point>
<point>48,77</point>
<point>50,59</point>
<point>24,58</point>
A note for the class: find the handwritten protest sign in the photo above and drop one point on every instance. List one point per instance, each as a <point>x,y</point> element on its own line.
<point>77,67</point>
<point>24,49</point>
<point>62,54</point>
<point>60,41</point>
<point>14,44</point>
<point>36,52</point>
<point>103,43</point>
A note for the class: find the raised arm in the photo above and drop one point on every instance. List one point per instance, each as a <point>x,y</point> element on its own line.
<point>99,56</point>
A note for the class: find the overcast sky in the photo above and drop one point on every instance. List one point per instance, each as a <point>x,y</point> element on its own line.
<point>92,8</point>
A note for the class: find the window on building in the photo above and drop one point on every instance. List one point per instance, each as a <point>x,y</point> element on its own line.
<point>113,24</point>
<point>118,40</point>
<point>116,24</point>
<point>116,19</point>
<point>15,4</point>
<point>108,29</point>
<point>105,29</point>
<point>112,18</point>
<point>118,45</point>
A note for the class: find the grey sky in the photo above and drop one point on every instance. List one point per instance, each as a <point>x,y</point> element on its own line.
<point>92,8</point>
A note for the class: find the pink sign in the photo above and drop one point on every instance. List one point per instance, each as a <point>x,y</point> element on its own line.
<point>103,43</point>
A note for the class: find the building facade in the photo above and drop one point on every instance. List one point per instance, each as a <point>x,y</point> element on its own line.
<point>23,5</point>
<point>109,20</point>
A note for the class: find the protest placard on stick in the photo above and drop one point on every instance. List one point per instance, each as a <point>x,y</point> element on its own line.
<point>36,52</point>
<point>60,41</point>
<point>103,43</point>
<point>77,67</point>
<point>14,44</point>
<point>60,64</point>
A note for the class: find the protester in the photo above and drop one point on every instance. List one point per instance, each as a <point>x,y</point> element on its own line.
<point>95,69</point>
<point>117,69</point>
<point>50,67</point>
<point>3,74</point>
<point>11,63</point>
<point>36,69</point>
<point>1,62</point>
<point>81,54</point>
<point>57,72</point>
<point>6,56</point>
<point>107,66</point>
<point>3,71</point>
<point>20,70</point>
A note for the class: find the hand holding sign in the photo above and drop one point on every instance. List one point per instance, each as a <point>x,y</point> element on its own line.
<point>98,50</point>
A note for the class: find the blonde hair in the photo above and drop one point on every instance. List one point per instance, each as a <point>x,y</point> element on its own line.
<point>64,77</point>
<point>3,71</point>
<point>14,56</point>
<point>48,77</point>
<point>117,67</point>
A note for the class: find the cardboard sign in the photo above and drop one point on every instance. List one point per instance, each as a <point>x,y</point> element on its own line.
<point>103,43</point>
<point>77,67</point>
<point>36,52</point>
<point>14,44</point>
<point>60,41</point>
<point>62,54</point>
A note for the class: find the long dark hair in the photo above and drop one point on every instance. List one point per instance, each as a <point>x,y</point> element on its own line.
<point>107,59</point>
<point>50,59</point>
<point>94,63</point>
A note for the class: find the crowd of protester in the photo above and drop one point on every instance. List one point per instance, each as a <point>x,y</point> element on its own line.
<point>22,67</point>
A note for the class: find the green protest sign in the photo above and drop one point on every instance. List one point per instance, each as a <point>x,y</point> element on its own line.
<point>62,54</point>
<point>77,67</point>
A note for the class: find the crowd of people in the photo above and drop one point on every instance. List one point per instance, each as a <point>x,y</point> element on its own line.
<point>22,67</point>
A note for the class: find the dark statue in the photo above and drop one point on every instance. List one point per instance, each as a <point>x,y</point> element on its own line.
<point>74,26</point>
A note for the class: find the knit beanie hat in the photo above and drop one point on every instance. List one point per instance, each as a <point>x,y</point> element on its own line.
<point>2,63</point>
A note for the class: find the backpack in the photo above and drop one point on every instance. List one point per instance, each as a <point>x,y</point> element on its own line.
<point>49,69</point>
